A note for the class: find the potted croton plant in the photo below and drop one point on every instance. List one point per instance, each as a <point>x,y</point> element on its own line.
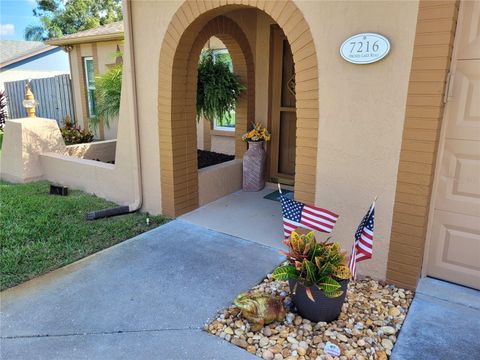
<point>318,276</point>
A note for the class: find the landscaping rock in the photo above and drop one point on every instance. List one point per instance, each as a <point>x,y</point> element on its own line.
<point>388,330</point>
<point>268,355</point>
<point>263,342</point>
<point>366,328</point>
<point>239,342</point>
<point>387,344</point>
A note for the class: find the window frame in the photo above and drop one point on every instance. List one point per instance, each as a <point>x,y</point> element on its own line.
<point>215,52</point>
<point>91,104</point>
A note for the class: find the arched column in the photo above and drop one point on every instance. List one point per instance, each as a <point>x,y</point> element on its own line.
<point>177,91</point>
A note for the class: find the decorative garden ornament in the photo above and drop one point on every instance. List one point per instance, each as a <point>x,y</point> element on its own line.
<point>254,167</point>
<point>260,309</point>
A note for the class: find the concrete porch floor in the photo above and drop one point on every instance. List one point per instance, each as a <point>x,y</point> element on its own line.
<point>443,323</point>
<point>246,215</point>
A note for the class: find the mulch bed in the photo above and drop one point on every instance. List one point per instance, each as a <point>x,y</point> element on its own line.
<point>209,158</point>
<point>367,327</point>
<point>205,158</point>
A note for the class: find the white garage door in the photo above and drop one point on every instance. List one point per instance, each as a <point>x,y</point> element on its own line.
<point>454,251</point>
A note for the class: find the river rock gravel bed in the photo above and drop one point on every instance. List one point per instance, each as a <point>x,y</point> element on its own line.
<point>367,328</point>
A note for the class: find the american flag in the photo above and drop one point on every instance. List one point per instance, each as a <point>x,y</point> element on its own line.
<point>296,214</point>
<point>363,245</point>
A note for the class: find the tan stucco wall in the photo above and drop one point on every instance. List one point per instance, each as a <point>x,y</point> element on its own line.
<point>219,180</point>
<point>360,131</point>
<point>103,54</point>
<point>223,142</point>
<point>98,150</point>
<point>24,140</point>
<point>362,110</point>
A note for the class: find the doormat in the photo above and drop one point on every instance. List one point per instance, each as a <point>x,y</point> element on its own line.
<point>275,196</point>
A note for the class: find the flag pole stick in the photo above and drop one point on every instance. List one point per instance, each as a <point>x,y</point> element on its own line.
<point>373,205</point>
<point>279,188</point>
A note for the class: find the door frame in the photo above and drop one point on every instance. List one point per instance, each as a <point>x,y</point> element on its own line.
<point>440,148</point>
<point>277,36</point>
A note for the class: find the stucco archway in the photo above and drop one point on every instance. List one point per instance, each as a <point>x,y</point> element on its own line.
<point>177,89</point>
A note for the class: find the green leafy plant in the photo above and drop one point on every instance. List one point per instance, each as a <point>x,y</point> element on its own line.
<point>314,264</point>
<point>62,17</point>
<point>73,134</point>
<point>3,109</point>
<point>108,90</point>
<point>218,88</point>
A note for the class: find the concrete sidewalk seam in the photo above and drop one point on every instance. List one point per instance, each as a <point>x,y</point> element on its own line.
<point>268,247</point>
<point>448,301</point>
<point>101,333</point>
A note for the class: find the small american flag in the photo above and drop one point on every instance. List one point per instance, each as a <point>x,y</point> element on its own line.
<point>363,245</point>
<point>297,214</point>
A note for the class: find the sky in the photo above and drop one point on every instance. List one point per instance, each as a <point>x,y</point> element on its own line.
<point>15,16</point>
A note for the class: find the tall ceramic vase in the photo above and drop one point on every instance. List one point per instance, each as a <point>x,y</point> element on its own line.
<point>254,167</point>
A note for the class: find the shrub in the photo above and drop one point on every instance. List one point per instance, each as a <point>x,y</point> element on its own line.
<point>3,109</point>
<point>314,264</point>
<point>73,134</point>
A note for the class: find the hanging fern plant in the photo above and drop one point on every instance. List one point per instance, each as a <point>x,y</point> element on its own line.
<point>218,88</point>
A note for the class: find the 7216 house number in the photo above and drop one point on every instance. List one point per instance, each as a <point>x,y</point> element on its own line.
<point>365,48</point>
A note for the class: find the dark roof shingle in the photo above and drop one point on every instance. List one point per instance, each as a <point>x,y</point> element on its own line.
<point>13,49</point>
<point>110,30</point>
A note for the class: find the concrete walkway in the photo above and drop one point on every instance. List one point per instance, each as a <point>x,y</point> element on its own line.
<point>443,323</point>
<point>145,298</point>
<point>241,214</point>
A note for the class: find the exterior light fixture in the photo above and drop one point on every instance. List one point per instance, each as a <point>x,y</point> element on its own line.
<point>29,103</point>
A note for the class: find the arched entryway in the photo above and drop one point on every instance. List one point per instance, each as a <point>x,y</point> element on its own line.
<point>190,28</point>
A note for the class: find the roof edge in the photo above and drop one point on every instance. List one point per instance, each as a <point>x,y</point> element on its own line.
<point>86,39</point>
<point>28,55</point>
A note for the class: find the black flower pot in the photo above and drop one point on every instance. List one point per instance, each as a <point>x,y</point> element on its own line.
<point>323,308</point>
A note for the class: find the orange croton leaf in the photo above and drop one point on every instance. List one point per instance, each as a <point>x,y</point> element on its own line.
<point>309,294</point>
<point>298,265</point>
<point>296,242</point>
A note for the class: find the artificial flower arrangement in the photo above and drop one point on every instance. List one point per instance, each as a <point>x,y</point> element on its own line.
<point>258,133</point>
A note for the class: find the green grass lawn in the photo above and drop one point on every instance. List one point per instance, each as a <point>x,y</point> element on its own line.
<point>41,232</point>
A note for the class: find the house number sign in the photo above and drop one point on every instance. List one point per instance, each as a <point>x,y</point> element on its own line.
<point>365,48</point>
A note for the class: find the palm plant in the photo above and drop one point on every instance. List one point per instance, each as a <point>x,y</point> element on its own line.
<point>108,88</point>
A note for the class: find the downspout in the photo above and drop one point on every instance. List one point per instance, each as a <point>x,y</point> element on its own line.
<point>137,202</point>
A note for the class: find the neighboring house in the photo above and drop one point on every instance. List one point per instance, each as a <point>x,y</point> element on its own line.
<point>91,53</point>
<point>401,128</point>
<point>21,60</point>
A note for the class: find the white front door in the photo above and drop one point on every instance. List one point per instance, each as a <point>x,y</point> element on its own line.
<point>454,250</point>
